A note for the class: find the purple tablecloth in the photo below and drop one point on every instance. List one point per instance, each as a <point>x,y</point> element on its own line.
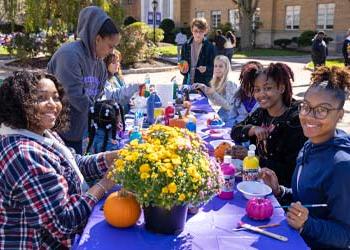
<point>210,229</point>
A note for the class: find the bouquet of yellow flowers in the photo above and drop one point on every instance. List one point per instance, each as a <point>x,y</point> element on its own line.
<point>170,167</point>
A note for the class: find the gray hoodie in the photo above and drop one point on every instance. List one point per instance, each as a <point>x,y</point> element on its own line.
<point>82,75</point>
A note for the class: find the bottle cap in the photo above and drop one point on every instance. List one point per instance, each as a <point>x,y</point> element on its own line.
<point>170,103</point>
<point>227,159</point>
<point>251,151</point>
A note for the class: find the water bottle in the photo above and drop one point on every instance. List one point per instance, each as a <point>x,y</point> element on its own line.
<point>150,109</point>
<point>191,124</point>
<point>250,165</point>
<point>175,88</point>
<point>135,134</point>
<point>147,83</point>
<point>228,170</point>
<point>169,112</point>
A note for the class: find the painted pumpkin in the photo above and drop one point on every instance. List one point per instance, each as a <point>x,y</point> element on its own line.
<point>259,208</point>
<point>183,66</point>
<point>220,150</point>
<point>121,209</point>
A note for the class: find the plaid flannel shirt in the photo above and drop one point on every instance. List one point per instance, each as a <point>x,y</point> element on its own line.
<point>41,203</point>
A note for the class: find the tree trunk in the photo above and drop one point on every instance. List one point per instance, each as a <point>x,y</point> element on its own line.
<point>246,42</point>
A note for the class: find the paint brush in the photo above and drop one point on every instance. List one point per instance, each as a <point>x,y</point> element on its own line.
<point>306,205</point>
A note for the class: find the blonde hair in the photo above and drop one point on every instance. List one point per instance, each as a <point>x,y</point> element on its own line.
<point>219,84</point>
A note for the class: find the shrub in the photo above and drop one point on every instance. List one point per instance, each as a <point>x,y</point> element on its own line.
<point>168,26</point>
<point>159,34</point>
<point>53,41</point>
<point>135,46</point>
<point>305,39</point>
<point>283,43</point>
<point>295,39</point>
<point>6,28</point>
<point>26,45</point>
<point>130,20</point>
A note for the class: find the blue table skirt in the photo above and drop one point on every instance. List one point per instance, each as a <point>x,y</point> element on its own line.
<point>210,229</point>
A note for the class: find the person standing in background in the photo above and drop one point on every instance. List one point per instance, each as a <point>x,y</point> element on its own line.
<point>198,52</point>
<point>180,40</point>
<point>80,68</point>
<point>346,49</point>
<point>319,50</point>
<point>230,44</point>
<point>219,41</point>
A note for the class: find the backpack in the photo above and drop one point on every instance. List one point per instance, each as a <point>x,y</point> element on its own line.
<point>108,116</point>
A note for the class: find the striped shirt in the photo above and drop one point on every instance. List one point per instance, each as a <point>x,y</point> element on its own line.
<point>42,205</point>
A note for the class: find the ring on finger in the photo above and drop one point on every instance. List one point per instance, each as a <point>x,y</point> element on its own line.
<point>299,214</point>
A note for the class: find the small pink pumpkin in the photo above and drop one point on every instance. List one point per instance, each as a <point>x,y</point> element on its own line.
<point>259,208</point>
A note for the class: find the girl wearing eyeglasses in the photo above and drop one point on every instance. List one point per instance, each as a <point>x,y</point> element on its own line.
<point>322,171</point>
<point>274,127</point>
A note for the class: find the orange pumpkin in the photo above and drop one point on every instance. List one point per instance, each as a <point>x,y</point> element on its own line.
<point>183,66</point>
<point>221,150</point>
<point>121,209</point>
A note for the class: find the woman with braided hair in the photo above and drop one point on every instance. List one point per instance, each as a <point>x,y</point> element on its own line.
<point>322,170</point>
<point>274,127</point>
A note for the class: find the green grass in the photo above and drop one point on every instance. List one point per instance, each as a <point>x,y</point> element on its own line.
<point>171,51</point>
<point>267,52</point>
<point>3,51</point>
<point>331,62</point>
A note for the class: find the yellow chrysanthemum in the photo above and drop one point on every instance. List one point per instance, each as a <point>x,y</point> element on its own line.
<point>119,164</point>
<point>182,197</point>
<point>181,173</point>
<point>165,190</point>
<point>152,157</point>
<point>176,160</point>
<point>134,142</point>
<point>170,173</point>
<point>144,175</point>
<point>172,187</point>
<point>154,175</point>
<point>144,168</point>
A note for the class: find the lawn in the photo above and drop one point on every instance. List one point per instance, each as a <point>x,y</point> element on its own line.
<point>331,62</point>
<point>268,52</point>
<point>3,51</point>
<point>170,51</point>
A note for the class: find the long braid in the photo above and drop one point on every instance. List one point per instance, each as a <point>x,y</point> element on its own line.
<point>249,72</point>
<point>282,74</point>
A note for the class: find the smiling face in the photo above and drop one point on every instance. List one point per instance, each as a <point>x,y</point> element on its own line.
<point>47,107</point>
<point>320,130</point>
<point>105,45</point>
<point>113,67</point>
<point>219,69</point>
<point>267,93</point>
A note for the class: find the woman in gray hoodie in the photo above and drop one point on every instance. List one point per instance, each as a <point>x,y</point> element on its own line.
<point>80,68</point>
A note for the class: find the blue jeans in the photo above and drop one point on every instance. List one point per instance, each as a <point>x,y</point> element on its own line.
<point>99,139</point>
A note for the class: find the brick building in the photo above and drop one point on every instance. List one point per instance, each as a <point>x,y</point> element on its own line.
<point>278,18</point>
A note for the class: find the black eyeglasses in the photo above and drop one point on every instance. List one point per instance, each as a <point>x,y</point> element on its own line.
<point>319,112</point>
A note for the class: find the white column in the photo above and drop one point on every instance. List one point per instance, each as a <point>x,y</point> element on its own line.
<point>171,9</point>
<point>143,11</point>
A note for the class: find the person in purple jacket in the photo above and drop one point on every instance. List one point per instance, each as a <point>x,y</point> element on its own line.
<point>322,170</point>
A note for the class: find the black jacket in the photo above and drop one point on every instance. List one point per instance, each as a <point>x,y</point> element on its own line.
<point>205,58</point>
<point>281,149</point>
<point>346,44</point>
<point>319,51</point>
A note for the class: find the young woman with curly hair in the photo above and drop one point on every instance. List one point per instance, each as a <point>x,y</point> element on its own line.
<point>322,170</point>
<point>274,127</point>
<point>44,196</point>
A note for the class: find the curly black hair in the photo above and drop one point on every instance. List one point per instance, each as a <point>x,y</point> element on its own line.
<point>335,80</point>
<point>18,96</point>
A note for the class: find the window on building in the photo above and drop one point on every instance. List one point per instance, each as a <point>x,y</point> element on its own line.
<point>233,16</point>
<point>200,14</point>
<point>215,18</point>
<point>325,16</point>
<point>292,17</point>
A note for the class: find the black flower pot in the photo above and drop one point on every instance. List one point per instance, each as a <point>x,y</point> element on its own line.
<point>164,221</point>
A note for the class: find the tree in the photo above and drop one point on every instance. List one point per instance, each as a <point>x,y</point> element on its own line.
<point>247,9</point>
<point>10,8</point>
